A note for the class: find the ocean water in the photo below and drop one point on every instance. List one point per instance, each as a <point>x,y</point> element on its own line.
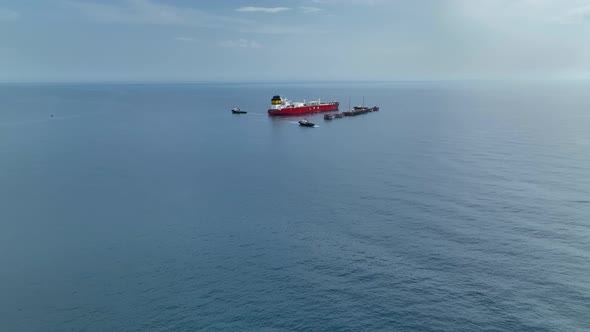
<point>460,206</point>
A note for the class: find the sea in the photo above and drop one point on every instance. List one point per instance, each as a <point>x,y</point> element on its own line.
<point>459,206</point>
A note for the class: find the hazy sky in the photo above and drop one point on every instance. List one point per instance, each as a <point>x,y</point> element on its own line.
<point>190,40</point>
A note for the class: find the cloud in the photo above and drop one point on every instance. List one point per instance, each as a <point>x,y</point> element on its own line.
<point>8,15</point>
<point>240,43</point>
<point>308,10</point>
<point>270,10</point>
<point>576,15</point>
<point>535,11</point>
<point>151,12</point>
<point>514,37</point>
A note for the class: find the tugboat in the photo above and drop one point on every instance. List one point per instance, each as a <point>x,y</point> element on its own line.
<point>282,106</point>
<point>305,123</point>
<point>237,111</point>
<point>365,109</point>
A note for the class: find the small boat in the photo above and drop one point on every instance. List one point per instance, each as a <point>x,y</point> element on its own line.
<point>328,116</point>
<point>305,123</point>
<point>238,111</point>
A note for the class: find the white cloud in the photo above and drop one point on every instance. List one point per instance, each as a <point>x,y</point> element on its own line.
<point>539,11</point>
<point>516,37</point>
<point>8,15</point>
<point>308,10</point>
<point>151,12</point>
<point>240,43</point>
<point>576,15</point>
<point>270,10</point>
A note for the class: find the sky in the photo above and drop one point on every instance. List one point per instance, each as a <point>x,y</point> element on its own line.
<point>283,40</point>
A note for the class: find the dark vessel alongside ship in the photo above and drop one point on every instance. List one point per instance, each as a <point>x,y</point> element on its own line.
<point>358,110</point>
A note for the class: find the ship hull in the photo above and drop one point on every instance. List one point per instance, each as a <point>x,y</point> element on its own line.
<point>327,107</point>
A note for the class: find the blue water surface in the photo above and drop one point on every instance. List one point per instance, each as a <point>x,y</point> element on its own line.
<point>460,206</point>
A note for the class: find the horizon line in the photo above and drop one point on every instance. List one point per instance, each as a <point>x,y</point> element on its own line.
<point>147,82</point>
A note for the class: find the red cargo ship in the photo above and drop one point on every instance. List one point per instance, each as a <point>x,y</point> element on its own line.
<point>281,106</point>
